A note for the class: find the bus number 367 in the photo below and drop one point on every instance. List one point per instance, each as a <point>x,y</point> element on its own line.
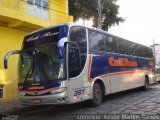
<point>79,92</point>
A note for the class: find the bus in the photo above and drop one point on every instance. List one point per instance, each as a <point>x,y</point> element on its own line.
<point>70,63</point>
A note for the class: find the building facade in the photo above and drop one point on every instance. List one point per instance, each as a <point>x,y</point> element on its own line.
<point>157,55</point>
<point>18,18</point>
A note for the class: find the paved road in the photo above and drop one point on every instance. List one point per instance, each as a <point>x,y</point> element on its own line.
<point>130,102</point>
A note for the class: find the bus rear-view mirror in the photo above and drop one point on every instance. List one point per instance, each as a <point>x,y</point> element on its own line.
<point>61,47</point>
<point>8,55</point>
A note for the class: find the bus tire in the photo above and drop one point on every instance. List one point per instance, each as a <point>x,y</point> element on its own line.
<point>146,84</point>
<point>97,95</point>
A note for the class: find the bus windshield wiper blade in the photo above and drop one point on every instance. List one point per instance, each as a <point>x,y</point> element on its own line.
<point>31,68</point>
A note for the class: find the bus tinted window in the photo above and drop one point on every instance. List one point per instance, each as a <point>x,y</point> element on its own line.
<point>78,35</point>
<point>150,53</point>
<point>128,50</point>
<point>74,63</point>
<point>132,49</point>
<point>140,50</point>
<point>96,41</point>
<point>111,44</point>
<point>145,51</point>
<point>121,46</point>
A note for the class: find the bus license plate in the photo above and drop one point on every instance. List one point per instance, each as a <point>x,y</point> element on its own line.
<point>36,101</point>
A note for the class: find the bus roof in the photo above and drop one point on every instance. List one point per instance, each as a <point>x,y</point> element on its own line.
<point>70,24</point>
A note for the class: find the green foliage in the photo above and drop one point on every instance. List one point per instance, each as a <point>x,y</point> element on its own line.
<point>87,9</point>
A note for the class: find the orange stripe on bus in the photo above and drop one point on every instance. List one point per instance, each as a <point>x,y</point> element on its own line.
<point>125,72</point>
<point>89,67</point>
<point>118,73</point>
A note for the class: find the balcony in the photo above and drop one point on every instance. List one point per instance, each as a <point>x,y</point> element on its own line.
<point>20,14</point>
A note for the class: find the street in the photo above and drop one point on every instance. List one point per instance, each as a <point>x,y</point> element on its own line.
<point>129,102</point>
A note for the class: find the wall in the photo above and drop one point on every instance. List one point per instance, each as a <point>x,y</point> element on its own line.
<point>16,20</point>
<point>10,39</point>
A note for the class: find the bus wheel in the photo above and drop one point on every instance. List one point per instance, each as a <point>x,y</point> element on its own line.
<point>146,84</point>
<point>97,95</point>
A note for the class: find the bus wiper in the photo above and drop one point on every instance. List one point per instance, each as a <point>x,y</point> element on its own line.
<point>36,61</point>
<point>32,66</point>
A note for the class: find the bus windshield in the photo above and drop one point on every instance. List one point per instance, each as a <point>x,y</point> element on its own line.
<point>39,61</point>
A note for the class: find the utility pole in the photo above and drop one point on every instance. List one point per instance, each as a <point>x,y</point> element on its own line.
<point>99,14</point>
<point>155,54</point>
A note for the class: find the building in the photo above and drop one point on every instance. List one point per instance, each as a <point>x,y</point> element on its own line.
<point>17,18</point>
<point>157,55</point>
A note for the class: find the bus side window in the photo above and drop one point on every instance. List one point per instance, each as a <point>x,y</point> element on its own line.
<point>139,50</point>
<point>96,41</point>
<point>111,44</point>
<point>128,47</point>
<point>74,62</point>
<point>78,35</point>
<point>121,46</point>
<point>133,49</point>
<point>150,53</point>
<point>147,52</point>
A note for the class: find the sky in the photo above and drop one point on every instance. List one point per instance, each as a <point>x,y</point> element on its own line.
<point>142,23</point>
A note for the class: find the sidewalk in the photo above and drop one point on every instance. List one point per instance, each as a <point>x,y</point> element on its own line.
<point>10,106</point>
<point>15,108</point>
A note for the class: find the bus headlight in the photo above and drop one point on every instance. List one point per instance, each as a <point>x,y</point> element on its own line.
<point>59,90</point>
<point>22,93</point>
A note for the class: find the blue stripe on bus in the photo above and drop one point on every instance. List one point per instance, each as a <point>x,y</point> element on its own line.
<point>100,64</point>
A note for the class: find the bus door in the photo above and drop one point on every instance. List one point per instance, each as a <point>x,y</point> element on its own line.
<point>74,78</point>
<point>77,55</point>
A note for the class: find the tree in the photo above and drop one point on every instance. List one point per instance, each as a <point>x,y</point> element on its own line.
<point>87,9</point>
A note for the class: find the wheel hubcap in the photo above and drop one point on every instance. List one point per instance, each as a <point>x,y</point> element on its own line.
<point>97,94</point>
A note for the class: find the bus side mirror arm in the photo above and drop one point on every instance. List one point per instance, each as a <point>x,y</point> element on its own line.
<point>8,55</point>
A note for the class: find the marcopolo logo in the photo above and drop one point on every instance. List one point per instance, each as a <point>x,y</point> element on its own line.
<point>37,78</point>
<point>122,62</point>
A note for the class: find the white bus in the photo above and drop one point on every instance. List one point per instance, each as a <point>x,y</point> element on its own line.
<point>70,63</point>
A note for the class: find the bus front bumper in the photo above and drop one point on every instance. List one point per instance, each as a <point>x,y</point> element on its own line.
<point>55,99</point>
